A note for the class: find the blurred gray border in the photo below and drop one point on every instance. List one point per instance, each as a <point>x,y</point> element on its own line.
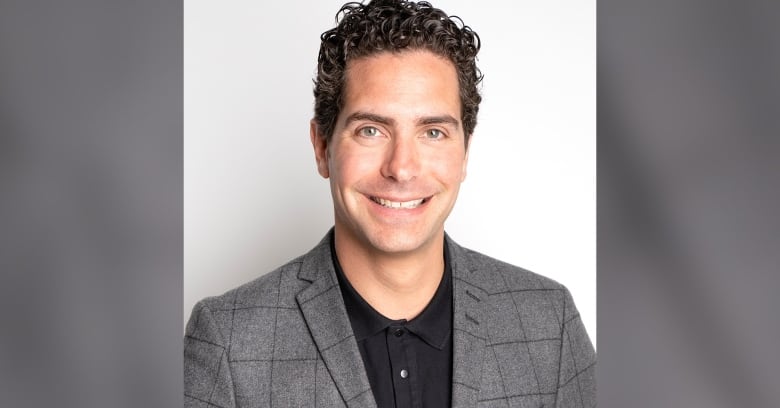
<point>688,199</point>
<point>91,203</point>
<point>91,187</point>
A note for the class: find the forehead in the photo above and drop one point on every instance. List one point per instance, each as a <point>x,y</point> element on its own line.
<point>414,79</point>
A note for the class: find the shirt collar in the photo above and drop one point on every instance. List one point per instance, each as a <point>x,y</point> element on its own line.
<point>433,324</point>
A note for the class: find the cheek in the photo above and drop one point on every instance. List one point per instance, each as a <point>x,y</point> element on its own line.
<point>449,167</point>
<point>353,165</point>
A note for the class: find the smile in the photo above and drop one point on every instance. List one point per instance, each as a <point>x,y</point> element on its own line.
<point>399,204</point>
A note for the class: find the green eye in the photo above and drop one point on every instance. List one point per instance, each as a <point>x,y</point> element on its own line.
<point>369,131</point>
<point>434,134</point>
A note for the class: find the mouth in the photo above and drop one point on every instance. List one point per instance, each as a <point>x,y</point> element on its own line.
<point>400,204</point>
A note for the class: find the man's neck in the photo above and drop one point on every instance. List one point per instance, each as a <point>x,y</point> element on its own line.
<point>398,286</point>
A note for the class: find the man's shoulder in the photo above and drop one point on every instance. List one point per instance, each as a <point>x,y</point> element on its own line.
<point>276,288</point>
<point>542,303</point>
<point>496,276</point>
<point>250,321</point>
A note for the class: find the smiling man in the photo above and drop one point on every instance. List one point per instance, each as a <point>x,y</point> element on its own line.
<point>395,160</point>
<point>388,310</point>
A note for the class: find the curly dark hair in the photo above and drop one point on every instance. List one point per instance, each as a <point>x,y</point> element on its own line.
<point>394,25</point>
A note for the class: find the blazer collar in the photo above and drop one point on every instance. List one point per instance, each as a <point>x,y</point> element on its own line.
<point>469,323</point>
<point>323,309</point>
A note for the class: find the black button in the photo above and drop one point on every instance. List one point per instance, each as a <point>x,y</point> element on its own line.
<point>398,333</point>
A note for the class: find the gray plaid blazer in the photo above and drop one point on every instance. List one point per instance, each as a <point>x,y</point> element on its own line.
<point>285,340</point>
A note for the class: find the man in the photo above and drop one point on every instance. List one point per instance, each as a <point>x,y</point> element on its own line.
<point>387,310</point>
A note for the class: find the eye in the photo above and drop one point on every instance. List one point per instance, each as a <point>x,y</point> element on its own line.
<point>368,131</point>
<point>434,134</point>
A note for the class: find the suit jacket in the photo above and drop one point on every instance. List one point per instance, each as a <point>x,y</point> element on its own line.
<point>285,340</point>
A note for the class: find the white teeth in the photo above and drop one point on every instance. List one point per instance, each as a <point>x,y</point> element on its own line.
<point>396,204</point>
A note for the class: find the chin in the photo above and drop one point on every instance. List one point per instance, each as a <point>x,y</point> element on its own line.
<point>399,242</point>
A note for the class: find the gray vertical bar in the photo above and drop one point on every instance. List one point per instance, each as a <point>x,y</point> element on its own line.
<point>688,223</point>
<point>90,203</point>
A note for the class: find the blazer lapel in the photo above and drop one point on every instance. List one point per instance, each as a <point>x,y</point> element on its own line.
<point>469,328</point>
<point>323,310</point>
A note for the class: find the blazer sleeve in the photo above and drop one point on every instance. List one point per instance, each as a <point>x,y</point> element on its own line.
<point>577,371</point>
<point>207,377</point>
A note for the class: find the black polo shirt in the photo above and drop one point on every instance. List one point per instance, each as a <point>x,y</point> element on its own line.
<point>409,363</point>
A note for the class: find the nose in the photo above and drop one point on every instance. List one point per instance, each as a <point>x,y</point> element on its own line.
<point>402,162</point>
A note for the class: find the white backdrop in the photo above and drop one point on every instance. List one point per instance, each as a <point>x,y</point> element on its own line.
<point>252,196</point>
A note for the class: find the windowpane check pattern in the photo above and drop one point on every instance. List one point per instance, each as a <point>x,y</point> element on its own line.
<point>285,340</point>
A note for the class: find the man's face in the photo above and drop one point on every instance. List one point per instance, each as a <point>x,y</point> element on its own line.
<point>397,155</point>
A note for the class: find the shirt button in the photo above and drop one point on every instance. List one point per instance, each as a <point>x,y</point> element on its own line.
<point>398,333</point>
<point>404,373</point>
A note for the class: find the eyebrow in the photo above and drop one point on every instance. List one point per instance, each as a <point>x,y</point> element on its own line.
<point>425,120</point>
<point>371,117</point>
<point>436,120</point>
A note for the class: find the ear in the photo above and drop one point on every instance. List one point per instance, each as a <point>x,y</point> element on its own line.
<point>466,159</point>
<point>320,144</point>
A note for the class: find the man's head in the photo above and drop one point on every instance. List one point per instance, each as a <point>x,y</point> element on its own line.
<point>396,104</point>
<point>394,26</point>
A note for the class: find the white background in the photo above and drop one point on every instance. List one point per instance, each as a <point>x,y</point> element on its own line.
<point>253,199</point>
